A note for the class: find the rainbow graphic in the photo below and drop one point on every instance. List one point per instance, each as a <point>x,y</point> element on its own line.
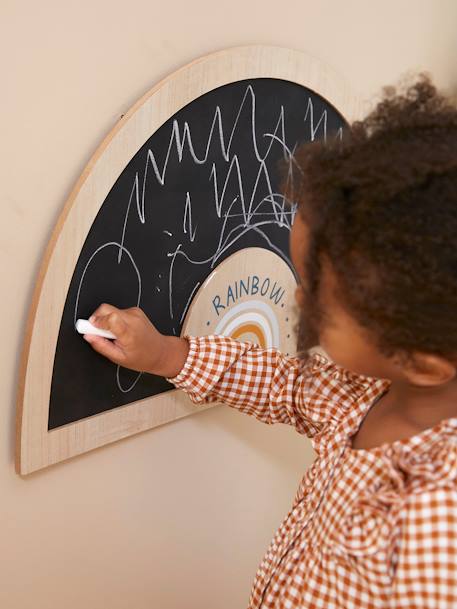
<point>249,297</point>
<point>252,321</point>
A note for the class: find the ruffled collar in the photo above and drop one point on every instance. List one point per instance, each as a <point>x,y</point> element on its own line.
<point>427,457</point>
<point>425,461</point>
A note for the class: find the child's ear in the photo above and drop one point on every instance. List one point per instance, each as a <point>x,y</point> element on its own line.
<point>429,370</point>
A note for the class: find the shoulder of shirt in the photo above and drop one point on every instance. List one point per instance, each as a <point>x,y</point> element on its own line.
<point>336,394</point>
<point>319,361</point>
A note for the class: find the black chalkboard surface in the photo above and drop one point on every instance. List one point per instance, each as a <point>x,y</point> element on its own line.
<point>203,186</point>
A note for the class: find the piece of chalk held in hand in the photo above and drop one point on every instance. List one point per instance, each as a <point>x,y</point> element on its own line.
<point>83,326</point>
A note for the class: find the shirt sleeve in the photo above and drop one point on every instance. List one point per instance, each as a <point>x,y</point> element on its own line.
<point>426,575</point>
<point>265,383</point>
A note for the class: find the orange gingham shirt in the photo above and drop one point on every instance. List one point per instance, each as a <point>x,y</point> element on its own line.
<point>367,528</point>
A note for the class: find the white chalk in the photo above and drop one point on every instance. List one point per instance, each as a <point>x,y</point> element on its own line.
<point>83,326</point>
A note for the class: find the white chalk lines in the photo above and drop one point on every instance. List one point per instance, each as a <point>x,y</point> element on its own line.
<point>252,209</point>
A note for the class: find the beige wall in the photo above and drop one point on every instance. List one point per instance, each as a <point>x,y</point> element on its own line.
<point>177,517</point>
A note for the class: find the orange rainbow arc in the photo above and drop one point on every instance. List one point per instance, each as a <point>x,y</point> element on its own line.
<point>250,329</point>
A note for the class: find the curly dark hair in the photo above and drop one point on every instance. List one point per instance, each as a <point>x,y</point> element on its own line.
<point>381,205</point>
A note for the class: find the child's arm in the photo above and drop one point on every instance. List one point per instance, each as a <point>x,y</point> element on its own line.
<point>267,384</point>
<point>264,383</point>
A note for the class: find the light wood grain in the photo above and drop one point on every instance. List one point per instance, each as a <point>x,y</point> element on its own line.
<point>36,447</point>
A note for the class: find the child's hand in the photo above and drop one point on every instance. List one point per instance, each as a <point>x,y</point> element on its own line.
<point>138,345</point>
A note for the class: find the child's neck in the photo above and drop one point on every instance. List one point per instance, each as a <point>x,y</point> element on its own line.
<point>426,406</point>
<point>405,411</point>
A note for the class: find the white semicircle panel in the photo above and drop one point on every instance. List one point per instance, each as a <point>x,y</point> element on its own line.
<point>249,296</point>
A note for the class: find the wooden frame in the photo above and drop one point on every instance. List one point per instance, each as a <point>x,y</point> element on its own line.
<point>36,446</point>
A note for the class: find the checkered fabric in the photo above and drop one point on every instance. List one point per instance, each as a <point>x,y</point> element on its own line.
<point>367,529</point>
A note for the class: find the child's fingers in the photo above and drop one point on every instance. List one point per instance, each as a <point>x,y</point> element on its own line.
<point>105,347</point>
<point>102,310</point>
<point>113,321</point>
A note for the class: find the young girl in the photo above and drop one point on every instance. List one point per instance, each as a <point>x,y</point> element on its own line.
<point>374,521</point>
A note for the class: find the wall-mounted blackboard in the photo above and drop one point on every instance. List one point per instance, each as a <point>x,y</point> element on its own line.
<point>179,205</point>
<point>203,186</point>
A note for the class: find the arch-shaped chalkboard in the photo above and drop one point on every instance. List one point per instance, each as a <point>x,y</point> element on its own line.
<point>204,185</point>
<point>189,177</point>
